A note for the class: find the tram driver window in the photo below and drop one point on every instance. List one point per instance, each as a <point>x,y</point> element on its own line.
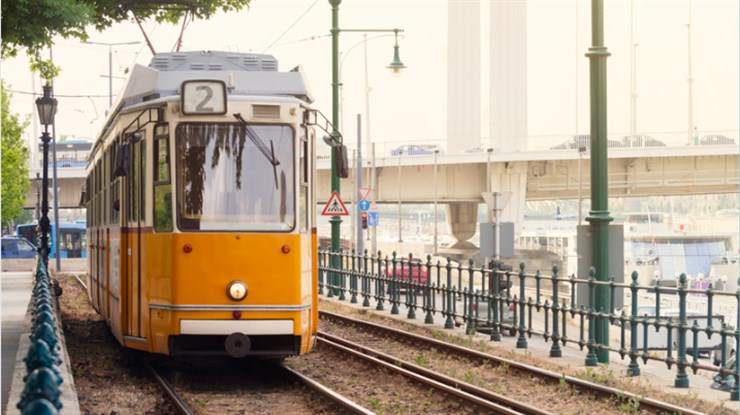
<point>162,182</point>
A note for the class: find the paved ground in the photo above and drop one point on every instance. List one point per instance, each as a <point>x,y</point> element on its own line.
<point>16,292</point>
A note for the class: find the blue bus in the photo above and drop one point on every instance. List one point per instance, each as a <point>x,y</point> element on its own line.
<point>73,238</point>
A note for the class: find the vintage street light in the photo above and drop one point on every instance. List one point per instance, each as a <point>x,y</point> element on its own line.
<point>396,65</point>
<point>47,109</point>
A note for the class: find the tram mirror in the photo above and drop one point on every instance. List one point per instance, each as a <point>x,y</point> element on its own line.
<point>122,161</point>
<point>341,165</point>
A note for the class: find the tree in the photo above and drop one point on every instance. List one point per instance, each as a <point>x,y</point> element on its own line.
<point>32,24</point>
<point>14,162</point>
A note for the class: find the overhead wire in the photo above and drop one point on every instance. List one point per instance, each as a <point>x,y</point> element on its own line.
<point>295,22</point>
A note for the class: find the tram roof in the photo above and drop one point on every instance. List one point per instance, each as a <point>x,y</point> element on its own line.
<point>243,73</point>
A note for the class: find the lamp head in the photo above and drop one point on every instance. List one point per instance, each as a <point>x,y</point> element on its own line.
<point>46,106</point>
<point>396,65</point>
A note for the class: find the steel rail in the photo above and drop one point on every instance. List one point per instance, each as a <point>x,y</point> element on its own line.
<point>459,393</point>
<point>516,406</point>
<point>651,404</point>
<point>79,280</point>
<point>337,398</point>
<point>177,401</point>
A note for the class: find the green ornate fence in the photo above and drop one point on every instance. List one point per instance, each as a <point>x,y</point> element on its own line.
<point>43,377</point>
<point>526,304</point>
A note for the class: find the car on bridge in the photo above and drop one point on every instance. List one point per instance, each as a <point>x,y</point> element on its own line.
<point>414,150</point>
<point>716,139</point>
<point>641,141</point>
<point>583,141</point>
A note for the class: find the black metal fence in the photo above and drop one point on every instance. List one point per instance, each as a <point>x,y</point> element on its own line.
<point>501,301</point>
<point>43,376</point>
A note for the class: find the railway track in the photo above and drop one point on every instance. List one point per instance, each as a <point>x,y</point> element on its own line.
<point>652,405</point>
<point>489,401</point>
<point>178,401</point>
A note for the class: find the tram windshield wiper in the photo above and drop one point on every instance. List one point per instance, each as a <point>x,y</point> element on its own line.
<point>261,146</point>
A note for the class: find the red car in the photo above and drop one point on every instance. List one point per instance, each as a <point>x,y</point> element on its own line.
<point>415,271</point>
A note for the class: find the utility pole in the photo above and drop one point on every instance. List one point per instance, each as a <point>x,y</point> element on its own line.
<point>398,185</point>
<point>373,196</point>
<point>690,129</point>
<point>599,217</point>
<point>436,217</point>
<point>335,221</point>
<point>360,242</point>
<point>110,64</point>
<point>633,76</point>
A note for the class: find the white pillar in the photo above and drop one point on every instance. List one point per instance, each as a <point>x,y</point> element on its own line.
<point>463,75</point>
<point>508,75</point>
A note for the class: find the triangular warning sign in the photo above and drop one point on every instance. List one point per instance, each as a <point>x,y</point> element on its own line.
<point>335,206</point>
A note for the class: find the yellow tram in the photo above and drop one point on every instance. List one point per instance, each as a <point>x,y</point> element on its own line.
<point>201,209</point>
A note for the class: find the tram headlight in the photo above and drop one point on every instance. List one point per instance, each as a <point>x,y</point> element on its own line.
<point>236,290</point>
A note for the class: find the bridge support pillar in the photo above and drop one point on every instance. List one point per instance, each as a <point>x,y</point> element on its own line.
<point>462,220</point>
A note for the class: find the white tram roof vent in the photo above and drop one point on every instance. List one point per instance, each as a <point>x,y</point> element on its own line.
<point>213,61</point>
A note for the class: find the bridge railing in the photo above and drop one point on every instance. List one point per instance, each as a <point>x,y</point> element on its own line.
<point>43,376</point>
<point>560,309</point>
<point>548,142</point>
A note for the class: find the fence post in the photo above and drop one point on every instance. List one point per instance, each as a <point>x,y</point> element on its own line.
<point>470,328</point>
<point>365,281</point>
<point>394,286</point>
<point>494,303</point>
<point>380,282</point>
<point>428,319</point>
<point>591,356</point>
<point>448,294</point>
<point>521,341</point>
<point>353,278</point>
<point>411,288</point>
<point>682,379</point>
<point>555,350</point>
<point>341,275</point>
<point>633,369</point>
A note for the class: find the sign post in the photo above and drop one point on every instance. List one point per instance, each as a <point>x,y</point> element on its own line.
<point>335,206</point>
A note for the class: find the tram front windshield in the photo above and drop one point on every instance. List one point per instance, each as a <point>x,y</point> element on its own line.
<point>232,177</point>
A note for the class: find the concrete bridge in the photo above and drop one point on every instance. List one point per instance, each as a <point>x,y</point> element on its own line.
<point>541,175</point>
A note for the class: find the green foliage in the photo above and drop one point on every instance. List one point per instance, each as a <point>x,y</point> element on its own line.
<point>14,162</point>
<point>32,24</point>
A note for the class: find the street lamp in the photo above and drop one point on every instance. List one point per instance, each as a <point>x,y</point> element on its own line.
<point>47,108</point>
<point>396,65</point>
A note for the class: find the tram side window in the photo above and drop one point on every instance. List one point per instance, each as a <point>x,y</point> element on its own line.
<point>162,182</point>
<point>303,195</point>
<point>115,186</point>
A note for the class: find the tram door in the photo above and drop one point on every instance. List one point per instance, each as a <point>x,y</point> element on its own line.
<point>134,220</point>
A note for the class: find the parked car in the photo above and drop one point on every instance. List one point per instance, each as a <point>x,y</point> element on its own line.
<point>414,150</point>
<point>716,139</point>
<point>415,271</point>
<point>583,141</point>
<point>641,141</point>
<point>14,247</point>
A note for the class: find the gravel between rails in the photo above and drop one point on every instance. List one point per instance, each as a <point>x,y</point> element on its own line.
<point>228,386</point>
<point>374,387</point>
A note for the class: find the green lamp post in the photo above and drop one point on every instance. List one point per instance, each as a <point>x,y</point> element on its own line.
<point>598,216</point>
<point>395,66</point>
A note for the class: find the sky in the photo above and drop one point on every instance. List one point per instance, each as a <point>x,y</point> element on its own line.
<point>412,106</point>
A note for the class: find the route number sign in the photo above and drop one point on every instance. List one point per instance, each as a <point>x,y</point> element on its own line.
<point>203,97</point>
